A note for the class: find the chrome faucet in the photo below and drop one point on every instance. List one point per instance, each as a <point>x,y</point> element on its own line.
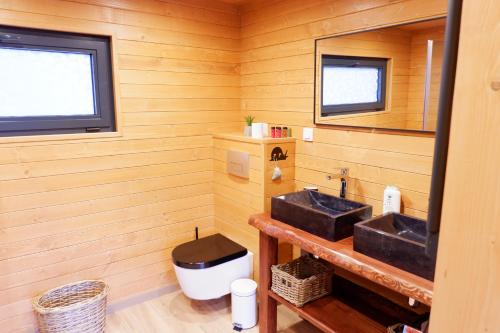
<point>342,175</point>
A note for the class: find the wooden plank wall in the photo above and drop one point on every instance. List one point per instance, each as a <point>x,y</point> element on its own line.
<point>467,281</point>
<point>286,183</point>
<point>237,198</point>
<point>113,208</point>
<point>277,87</point>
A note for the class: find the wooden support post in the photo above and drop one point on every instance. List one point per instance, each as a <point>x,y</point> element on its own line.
<point>268,249</point>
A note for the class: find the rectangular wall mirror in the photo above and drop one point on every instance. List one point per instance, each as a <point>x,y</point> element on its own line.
<point>386,78</point>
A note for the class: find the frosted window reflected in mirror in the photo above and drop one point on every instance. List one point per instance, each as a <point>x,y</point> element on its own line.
<point>348,85</point>
<point>375,78</point>
<point>45,83</point>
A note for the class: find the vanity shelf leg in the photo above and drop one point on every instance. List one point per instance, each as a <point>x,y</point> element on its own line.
<point>268,256</point>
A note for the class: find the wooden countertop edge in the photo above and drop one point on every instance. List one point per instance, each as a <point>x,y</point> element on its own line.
<point>242,138</point>
<point>338,254</point>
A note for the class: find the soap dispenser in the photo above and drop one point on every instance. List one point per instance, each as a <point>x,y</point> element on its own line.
<point>392,200</point>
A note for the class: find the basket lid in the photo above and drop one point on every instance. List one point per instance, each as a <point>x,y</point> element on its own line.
<point>207,252</point>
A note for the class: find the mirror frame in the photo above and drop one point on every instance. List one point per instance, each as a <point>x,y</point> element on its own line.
<point>370,128</point>
<point>445,106</point>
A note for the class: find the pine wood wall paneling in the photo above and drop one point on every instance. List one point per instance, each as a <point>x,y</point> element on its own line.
<point>163,46</point>
<point>278,61</point>
<point>467,281</point>
<point>171,9</point>
<point>114,207</point>
<point>237,198</point>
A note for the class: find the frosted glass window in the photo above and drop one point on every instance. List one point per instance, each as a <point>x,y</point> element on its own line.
<point>350,85</point>
<point>54,82</point>
<point>45,83</point>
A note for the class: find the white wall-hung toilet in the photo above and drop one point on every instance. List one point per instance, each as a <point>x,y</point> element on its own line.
<point>206,267</point>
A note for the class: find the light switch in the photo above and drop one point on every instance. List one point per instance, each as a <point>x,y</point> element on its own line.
<point>307,134</point>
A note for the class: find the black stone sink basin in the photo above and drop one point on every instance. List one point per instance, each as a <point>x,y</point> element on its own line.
<point>323,215</point>
<point>395,239</point>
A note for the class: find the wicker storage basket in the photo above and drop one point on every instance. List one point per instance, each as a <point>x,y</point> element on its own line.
<point>302,280</point>
<point>76,307</point>
<point>400,328</point>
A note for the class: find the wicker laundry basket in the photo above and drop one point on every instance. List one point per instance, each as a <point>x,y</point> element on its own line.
<point>76,307</point>
<point>302,280</point>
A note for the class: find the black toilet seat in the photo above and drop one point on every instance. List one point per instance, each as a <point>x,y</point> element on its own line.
<point>207,252</point>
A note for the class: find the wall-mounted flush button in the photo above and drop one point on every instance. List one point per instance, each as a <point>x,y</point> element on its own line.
<point>238,164</point>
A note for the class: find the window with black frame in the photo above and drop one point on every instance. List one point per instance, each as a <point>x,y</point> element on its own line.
<point>352,84</point>
<point>54,83</point>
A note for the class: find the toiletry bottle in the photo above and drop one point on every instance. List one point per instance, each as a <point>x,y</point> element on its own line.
<point>392,200</point>
<point>284,133</point>
<point>265,129</point>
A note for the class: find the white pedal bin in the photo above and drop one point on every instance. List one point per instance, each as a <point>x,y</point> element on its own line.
<point>244,303</point>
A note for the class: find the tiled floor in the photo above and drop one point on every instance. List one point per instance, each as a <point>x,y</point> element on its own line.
<point>175,313</point>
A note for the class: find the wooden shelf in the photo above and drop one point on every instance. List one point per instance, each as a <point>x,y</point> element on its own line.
<point>341,254</point>
<point>242,138</point>
<point>340,312</point>
<point>333,316</point>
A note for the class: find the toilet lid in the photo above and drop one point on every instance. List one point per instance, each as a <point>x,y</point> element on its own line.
<point>207,252</point>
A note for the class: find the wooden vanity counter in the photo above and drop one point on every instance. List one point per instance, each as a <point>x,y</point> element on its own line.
<point>340,254</point>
